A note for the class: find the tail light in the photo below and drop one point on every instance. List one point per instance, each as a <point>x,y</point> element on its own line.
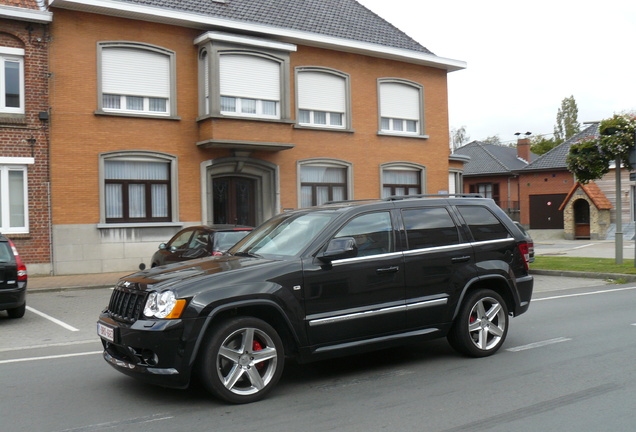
<point>22,270</point>
<point>524,248</point>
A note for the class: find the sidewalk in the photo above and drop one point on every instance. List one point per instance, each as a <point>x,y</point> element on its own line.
<point>55,283</point>
<point>577,248</point>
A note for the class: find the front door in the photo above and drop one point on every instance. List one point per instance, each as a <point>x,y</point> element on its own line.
<point>234,200</point>
<point>362,297</point>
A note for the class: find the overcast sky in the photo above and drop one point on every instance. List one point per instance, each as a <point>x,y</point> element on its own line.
<point>523,59</point>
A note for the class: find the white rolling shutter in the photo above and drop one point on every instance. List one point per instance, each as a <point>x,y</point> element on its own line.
<point>322,92</point>
<point>135,72</point>
<point>248,76</point>
<point>399,101</point>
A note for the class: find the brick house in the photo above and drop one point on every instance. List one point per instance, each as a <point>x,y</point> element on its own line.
<point>546,185</point>
<point>24,132</point>
<point>493,171</point>
<point>166,114</point>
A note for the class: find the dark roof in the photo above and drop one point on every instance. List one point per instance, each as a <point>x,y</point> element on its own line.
<point>335,18</point>
<point>555,158</point>
<point>487,159</point>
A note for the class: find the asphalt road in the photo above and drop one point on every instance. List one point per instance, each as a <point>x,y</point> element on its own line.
<point>567,365</point>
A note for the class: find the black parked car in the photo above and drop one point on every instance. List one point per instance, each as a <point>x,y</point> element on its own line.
<point>322,282</point>
<point>198,242</point>
<point>13,279</point>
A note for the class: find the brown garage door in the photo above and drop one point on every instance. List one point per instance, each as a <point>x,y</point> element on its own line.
<point>544,211</point>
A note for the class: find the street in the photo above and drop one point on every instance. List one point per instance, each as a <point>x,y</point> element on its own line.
<point>567,365</point>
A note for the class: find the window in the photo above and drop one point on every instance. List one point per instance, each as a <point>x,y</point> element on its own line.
<point>323,98</point>
<point>429,227</point>
<point>399,179</point>
<point>455,182</point>
<point>487,190</point>
<point>138,187</point>
<point>11,80</point>
<point>483,224</point>
<point>243,76</point>
<point>14,205</point>
<point>323,181</point>
<point>400,107</point>
<point>372,232</point>
<point>136,79</point>
<point>250,86</point>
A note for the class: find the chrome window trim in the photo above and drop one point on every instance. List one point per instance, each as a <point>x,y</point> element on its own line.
<point>367,258</point>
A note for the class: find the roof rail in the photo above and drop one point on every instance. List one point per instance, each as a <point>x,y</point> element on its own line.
<point>458,195</point>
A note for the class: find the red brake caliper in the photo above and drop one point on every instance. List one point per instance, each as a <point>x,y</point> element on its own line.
<point>256,346</point>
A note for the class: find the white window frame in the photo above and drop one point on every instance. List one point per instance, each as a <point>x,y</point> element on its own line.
<point>309,110</point>
<point>141,156</point>
<point>123,96</point>
<point>395,117</point>
<point>402,166</point>
<point>11,55</point>
<point>8,164</point>
<point>326,163</point>
<point>213,45</point>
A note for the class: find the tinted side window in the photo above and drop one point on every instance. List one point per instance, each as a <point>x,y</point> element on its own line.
<point>483,224</point>
<point>182,240</point>
<point>429,227</point>
<point>373,233</point>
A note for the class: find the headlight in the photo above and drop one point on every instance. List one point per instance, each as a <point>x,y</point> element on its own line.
<point>163,305</point>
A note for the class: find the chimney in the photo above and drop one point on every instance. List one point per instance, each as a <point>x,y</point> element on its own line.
<point>523,149</point>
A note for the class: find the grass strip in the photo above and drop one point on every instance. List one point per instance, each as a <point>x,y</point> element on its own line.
<point>593,265</point>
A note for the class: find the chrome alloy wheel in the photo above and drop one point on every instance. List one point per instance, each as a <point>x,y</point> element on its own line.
<point>247,361</point>
<point>487,323</point>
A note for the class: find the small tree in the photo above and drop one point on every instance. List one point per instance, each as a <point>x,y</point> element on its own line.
<point>458,137</point>
<point>589,158</point>
<point>540,145</point>
<point>493,139</point>
<point>567,120</point>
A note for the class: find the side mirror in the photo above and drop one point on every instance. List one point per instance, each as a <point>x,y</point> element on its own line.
<point>339,248</point>
<point>162,246</point>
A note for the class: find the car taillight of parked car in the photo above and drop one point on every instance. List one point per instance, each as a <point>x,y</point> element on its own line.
<point>524,248</point>
<point>22,270</point>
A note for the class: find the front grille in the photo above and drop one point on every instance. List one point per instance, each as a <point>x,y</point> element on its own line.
<point>126,304</point>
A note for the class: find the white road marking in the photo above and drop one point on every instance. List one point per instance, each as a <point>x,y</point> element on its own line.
<point>50,318</point>
<point>119,423</point>
<point>585,293</point>
<point>538,344</point>
<point>27,359</point>
<point>583,246</point>
<point>50,345</point>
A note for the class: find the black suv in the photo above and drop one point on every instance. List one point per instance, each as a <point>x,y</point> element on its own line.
<point>13,279</point>
<point>322,282</point>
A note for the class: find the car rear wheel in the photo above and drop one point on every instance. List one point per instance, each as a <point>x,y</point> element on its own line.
<point>242,360</point>
<point>481,325</point>
<point>17,312</point>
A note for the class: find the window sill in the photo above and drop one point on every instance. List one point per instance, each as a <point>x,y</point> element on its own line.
<point>138,225</point>
<point>8,119</point>
<point>325,129</point>
<point>151,116</point>
<point>257,119</point>
<point>399,135</point>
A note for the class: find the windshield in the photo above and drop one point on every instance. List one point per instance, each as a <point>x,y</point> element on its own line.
<point>283,236</point>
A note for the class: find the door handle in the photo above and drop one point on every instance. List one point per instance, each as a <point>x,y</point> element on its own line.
<point>460,259</point>
<point>391,269</point>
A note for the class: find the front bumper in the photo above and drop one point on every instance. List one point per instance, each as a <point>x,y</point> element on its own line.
<point>155,351</point>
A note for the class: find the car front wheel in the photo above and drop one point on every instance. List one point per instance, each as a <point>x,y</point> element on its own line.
<point>481,325</point>
<point>242,360</point>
